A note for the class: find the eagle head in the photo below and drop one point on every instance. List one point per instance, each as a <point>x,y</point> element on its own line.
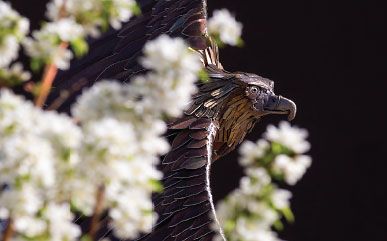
<point>260,91</point>
<point>237,101</point>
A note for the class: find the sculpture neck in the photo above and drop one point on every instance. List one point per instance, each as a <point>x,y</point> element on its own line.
<point>234,123</point>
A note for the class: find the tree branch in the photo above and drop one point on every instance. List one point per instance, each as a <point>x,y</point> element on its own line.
<point>98,208</point>
<point>48,78</point>
<point>8,231</point>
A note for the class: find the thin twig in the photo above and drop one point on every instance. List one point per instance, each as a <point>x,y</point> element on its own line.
<point>8,231</point>
<point>59,101</point>
<point>64,94</point>
<point>48,78</point>
<point>62,11</point>
<point>51,70</point>
<point>98,208</point>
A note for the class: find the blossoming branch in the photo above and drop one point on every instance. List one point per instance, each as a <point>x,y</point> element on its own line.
<point>250,212</point>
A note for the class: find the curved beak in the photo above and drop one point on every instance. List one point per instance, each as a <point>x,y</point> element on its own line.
<point>280,105</point>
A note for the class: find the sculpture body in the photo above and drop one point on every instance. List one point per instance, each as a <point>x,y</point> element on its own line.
<point>224,110</point>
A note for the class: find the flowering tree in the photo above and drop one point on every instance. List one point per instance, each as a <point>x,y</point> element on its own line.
<point>46,167</point>
<point>102,159</point>
<point>250,212</point>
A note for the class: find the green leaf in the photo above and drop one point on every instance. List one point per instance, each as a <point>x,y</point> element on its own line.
<point>41,211</point>
<point>219,41</point>
<point>86,238</point>
<point>276,148</point>
<point>76,210</point>
<point>267,191</point>
<point>80,47</point>
<point>240,43</point>
<point>136,9</point>
<point>19,181</point>
<point>278,225</point>
<point>9,80</point>
<point>101,153</point>
<point>266,160</point>
<point>66,155</point>
<point>146,211</point>
<point>156,185</point>
<point>9,129</point>
<point>203,75</point>
<point>277,175</point>
<point>42,237</point>
<point>36,89</point>
<point>229,225</point>
<point>288,214</point>
<point>36,64</point>
<point>165,117</point>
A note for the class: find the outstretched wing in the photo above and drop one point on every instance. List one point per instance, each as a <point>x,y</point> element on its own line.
<point>115,55</point>
<point>185,208</point>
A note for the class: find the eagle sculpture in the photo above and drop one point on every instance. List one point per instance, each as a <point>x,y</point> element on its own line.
<point>224,110</point>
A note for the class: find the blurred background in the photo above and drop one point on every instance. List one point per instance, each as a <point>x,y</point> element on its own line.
<point>330,57</point>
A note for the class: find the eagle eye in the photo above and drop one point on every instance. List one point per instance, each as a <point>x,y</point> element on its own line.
<point>254,90</point>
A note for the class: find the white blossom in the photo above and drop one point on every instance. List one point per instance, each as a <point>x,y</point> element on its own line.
<point>175,71</point>
<point>91,13</point>
<point>24,153</point>
<point>291,137</point>
<point>251,151</point>
<point>250,216</point>
<point>248,187</point>
<point>26,157</point>
<point>122,146</point>
<point>280,198</point>
<point>60,222</point>
<point>124,11</point>
<point>252,230</point>
<point>265,214</point>
<point>20,202</point>
<point>173,76</point>
<point>10,18</point>
<point>62,58</point>
<point>6,12</point>
<point>148,144</point>
<point>253,183</point>
<point>116,146</point>
<point>292,168</point>
<point>82,193</point>
<point>36,154</point>
<point>66,28</point>
<point>132,213</point>
<point>104,99</point>
<point>165,52</point>
<point>62,132</point>
<point>122,133</point>
<point>110,149</point>
<point>250,211</point>
<point>42,45</point>
<point>30,226</point>
<point>15,71</point>
<point>108,146</point>
<point>22,28</point>
<point>17,27</point>
<point>223,24</point>
<point>9,48</point>
<point>260,174</point>
<point>73,7</point>
<point>13,113</point>
<point>45,42</point>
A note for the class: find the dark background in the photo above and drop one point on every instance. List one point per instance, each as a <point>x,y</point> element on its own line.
<point>331,59</point>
